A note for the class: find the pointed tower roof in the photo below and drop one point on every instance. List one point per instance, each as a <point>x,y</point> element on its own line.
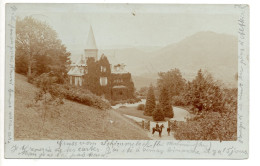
<point>91,43</point>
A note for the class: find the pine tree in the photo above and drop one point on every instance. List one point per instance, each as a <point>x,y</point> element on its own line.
<point>158,114</point>
<point>165,103</point>
<point>150,102</point>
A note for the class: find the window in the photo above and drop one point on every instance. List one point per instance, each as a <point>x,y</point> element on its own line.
<point>103,81</point>
<point>103,69</point>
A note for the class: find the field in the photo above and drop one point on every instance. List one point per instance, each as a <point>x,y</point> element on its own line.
<point>69,121</point>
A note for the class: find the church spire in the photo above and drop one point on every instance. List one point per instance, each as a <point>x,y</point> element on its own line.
<point>91,43</point>
<point>91,49</point>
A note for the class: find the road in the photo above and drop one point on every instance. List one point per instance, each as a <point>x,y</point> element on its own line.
<point>179,115</point>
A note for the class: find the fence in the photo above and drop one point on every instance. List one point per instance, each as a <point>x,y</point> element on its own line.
<point>146,124</point>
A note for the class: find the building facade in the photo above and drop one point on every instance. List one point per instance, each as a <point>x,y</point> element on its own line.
<point>99,76</point>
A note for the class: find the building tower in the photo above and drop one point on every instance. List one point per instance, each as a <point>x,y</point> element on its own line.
<point>91,49</point>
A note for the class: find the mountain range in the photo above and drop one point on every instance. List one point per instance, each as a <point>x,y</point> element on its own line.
<point>216,53</point>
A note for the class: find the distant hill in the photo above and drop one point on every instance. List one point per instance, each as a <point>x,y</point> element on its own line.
<point>144,80</point>
<point>216,53</point>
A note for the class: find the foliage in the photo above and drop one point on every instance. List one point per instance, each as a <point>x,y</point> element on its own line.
<point>165,103</point>
<point>150,102</point>
<point>124,79</point>
<point>143,91</point>
<point>215,111</point>
<point>92,80</point>
<point>140,107</point>
<point>104,63</point>
<point>46,83</point>
<point>179,101</point>
<point>92,76</point>
<point>38,49</point>
<point>83,96</point>
<point>209,126</point>
<point>172,80</point>
<point>203,93</point>
<point>158,114</point>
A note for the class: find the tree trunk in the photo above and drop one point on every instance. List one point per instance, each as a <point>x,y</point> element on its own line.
<point>29,73</point>
<point>29,69</point>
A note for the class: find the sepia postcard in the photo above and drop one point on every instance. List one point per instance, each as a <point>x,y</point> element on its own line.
<point>126,81</point>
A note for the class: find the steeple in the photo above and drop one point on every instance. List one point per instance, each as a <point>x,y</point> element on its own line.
<point>91,43</point>
<point>91,49</point>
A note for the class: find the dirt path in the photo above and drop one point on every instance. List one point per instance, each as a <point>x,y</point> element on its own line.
<point>179,115</point>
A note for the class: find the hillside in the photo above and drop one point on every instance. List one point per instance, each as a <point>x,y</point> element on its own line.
<point>144,80</point>
<point>68,121</point>
<point>216,53</point>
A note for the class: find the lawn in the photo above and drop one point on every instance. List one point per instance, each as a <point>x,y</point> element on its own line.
<point>69,121</point>
<point>134,112</point>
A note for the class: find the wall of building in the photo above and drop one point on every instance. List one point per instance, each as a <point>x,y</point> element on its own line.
<point>124,79</point>
<point>101,69</point>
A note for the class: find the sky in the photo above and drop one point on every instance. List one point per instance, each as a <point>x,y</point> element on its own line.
<point>123,25</point>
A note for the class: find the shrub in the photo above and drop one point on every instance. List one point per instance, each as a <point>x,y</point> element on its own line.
<point>208,126</point>
<point>131,101</point>
<point>140,107</point>
<point>83,96</point>
<point>158,114</point>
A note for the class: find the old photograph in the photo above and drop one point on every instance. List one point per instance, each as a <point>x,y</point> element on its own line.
<point>125,76</point>
<point>126,72</point>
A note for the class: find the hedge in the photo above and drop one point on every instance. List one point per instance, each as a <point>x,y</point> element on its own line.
<point>83,96</point>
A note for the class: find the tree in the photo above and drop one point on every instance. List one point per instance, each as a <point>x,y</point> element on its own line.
<point>48,95</point>
<point>39,49</point>
<point>165,103</point>
<point>158,114</point>
<point>143,91</point>
<point>173,81</point>
<point>204,93</point>
<point>150,102</point>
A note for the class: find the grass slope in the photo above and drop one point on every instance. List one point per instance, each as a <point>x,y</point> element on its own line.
<point>68,121</point>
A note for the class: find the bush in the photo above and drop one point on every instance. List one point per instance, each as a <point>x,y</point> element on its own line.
<point>140,107</point>
<point>208,126</point>
<point>158,114</point>
<point>83,96</point>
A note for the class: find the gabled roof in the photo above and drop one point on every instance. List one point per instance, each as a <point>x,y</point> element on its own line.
<point>81,61</point>
<point>76,71</point>
<point>91,43</point>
